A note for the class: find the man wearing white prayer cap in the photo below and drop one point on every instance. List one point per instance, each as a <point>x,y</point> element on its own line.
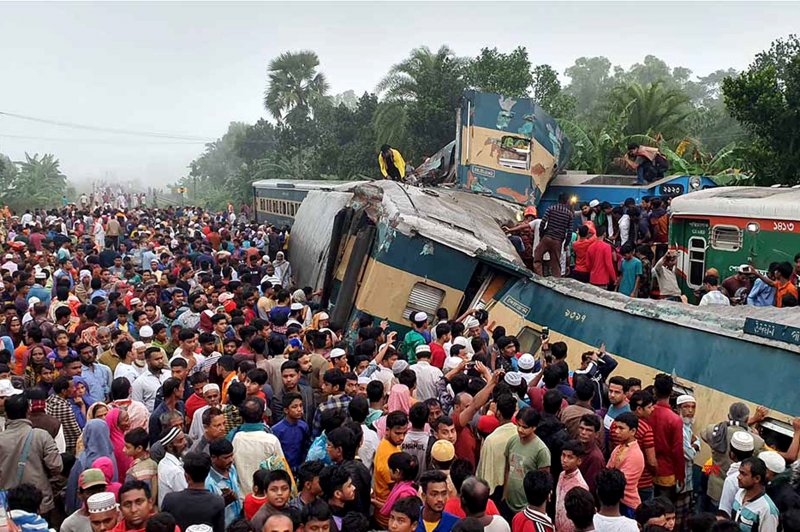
<point>742,447</point>
<point>691,446</point>
<point>103,511</point>
<point>418,336</point>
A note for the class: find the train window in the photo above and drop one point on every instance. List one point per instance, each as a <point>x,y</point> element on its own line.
<point>697,261</point>
<point>423,298</point>
<point>726,238</point>
<point>776,433</point>
<point>530,340</point>
<point>515,152</point>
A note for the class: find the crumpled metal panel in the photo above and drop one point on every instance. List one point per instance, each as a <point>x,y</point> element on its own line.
<point>469,223</point>
<point>311,234</point>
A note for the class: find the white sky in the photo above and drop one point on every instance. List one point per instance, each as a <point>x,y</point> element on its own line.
<point>191,68</point>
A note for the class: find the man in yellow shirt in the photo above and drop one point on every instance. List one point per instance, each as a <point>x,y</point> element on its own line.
<point>391,163</point>
<point>396,429</point>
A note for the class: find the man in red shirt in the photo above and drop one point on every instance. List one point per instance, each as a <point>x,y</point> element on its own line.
<point>668,435</point>
<point>642,404</point>
<point>443,336</point>
<point>580,248</point>
<point>602,272</point>
<point>464,408</point>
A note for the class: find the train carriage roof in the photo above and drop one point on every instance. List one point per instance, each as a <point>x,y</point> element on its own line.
<point>741,202</point>
<point>463,221</point>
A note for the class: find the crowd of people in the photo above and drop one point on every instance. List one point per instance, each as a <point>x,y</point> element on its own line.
<point>165,373</point>
<point>624,248</point>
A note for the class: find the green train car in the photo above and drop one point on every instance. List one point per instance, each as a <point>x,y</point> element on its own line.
<point>726,227</point>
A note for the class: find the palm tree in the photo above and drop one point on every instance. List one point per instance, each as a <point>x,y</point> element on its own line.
<point>295,85</point>
<point>421,94</point>
<point>412,78</point>
<point>653,109</point>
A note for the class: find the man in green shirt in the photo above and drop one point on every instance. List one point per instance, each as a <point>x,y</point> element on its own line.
<point>415,337</point>
<point>525,452</point>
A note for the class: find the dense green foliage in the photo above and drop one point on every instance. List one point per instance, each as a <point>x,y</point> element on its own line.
<point>766,100</point>
<point>729,125</point>
<point>35,182</point>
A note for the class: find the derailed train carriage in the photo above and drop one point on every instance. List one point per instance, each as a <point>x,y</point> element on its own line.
<point>388,250</point>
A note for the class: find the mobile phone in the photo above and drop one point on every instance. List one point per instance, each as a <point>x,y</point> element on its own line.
<point>545,333</point>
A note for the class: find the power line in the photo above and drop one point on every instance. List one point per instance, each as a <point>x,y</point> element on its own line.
<point>108,130</point>
<point>105,141</point>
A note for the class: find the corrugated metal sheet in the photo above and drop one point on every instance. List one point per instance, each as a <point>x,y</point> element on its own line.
<point>313,225</point>
<point>464,221</point>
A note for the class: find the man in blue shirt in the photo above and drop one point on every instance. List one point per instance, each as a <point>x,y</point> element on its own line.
<point>631,272</point>
<point>434,496</point>
<point>292,431</point>
<point>761,295</point>
<point>98,376</point>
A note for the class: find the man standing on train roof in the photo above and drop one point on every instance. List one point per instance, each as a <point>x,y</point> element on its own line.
<point>648,162</point>
<point>555,227</point>
<point>391,163</point>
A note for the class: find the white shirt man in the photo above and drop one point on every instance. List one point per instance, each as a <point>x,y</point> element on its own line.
<point>146,387</point>
<point>427,375</point>
<point>171,477</point>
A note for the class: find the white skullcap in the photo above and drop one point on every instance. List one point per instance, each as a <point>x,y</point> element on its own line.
<point>460,340</point>
<point>526,361</point>
<point>471,323</point>
<point>337,352</point>
<point>451,363</point>
<point>323,316</point>
<point>138,345</point>
<point>594,203</point>
<point>296,306</point>
<point>146,332</point>
<point>684,399</point>
<point>773,461</point>
<point>513,378</point>
<point>101,502</point>
<point>199,528</point>
<point>420,316</point>
<point>424,348</point>
<point>210,386</point>
<point>399,366</point>
<point>742,441</point>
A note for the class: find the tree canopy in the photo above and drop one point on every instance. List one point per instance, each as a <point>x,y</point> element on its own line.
<point>723,123</point>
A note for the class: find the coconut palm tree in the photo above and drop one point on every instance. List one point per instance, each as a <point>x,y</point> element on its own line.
<point>295,85</point>
<point>425,89</point>
<point>652,109</point>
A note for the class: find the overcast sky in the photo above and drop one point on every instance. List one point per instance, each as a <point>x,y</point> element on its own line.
<point>191,68</point>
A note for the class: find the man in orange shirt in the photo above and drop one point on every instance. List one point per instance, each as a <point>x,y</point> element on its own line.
<point>586,237</point>
<point>628,458</point>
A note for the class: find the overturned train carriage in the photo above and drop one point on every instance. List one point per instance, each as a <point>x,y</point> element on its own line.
<point>388,250</point>
<point>718,354</point>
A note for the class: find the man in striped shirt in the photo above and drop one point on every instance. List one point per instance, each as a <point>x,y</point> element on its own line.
<point>533,518</point>
<point>554,229</point>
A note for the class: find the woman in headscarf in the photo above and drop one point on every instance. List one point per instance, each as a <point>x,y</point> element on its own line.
<point>298,296</point>
<point>97,444</point>
<point>106,465</point>
<point>119,423</point>
<point>35,363</point>
<point>81,401</point>
<point>283,270</point>
<point>399,399</point>
<point>98,410</point>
